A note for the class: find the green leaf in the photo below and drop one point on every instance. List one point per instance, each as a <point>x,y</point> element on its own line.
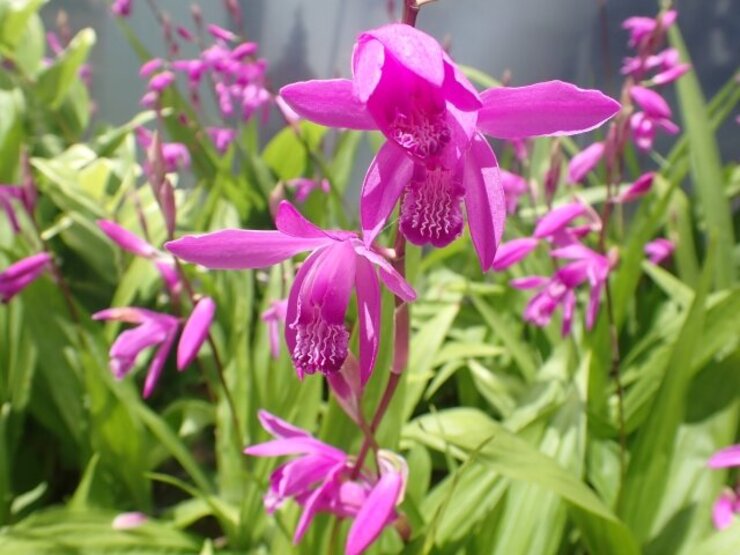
<point>54,83</point>
<point>645,482</point>
<point>14,16</point>
<point>466,429</point>
<point>706,166</point>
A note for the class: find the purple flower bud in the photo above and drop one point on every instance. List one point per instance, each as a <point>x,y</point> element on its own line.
<point>195,332</point>
<point>18,276</point>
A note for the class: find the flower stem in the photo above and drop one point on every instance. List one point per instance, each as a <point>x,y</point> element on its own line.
<point>410,11</point>
<point>400,354</point>
<point>216,357</point>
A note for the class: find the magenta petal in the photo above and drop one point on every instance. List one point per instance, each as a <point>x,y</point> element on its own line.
<point>388,274</point>
<point>727,457</point>
<point>529,282</point>
<point>368,58</point>
<point>157,364</point>
<point>292,446</point>
<point>594,300</point>
<point>651,102</point>
<point>238,249</point>
<point>458,90</point>
<point>291,222</point>
<point>413,49</point>
<point>550,108</point>
<point>557,219</point>
<point>639,188</point>
<point>512,252</point>
<point>329,102</point>
<point>20,274</point>
<point>375,513</point>
<point>313,503</point>
<point>195,331</point>
<point>368,310</point>
<point>723,511</point>
<point>389,172</point>
<point>291,316</point>
<point>485,203</point>
<point>279,427</point>
<point>585,161</point>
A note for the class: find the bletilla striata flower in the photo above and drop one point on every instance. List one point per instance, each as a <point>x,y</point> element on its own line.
<point>436,158</point>
<point>155,329</point>
<point>339,263</point>
<point>320,479</point>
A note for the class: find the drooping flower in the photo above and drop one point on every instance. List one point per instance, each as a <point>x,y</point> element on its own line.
<point>320,479</point>
<point>405,85</point>
<point>19,275</point>
<point>586,266</point>
<point>155,329</point>
<point>727,504</point>
<point>659,249</point>
<point>339,262</point>
<point>274,317</point>
<point>656,114</point>
<point>152,329</point>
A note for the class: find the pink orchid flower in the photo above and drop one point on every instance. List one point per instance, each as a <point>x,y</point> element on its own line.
<point>727,504</point>
<point>156,329</point>
<point>134,244</point>
<point>274,316</point>
<point>339,262</point>
<point>656,114</point>
<point>659,249</point>
<point>559,290</point>
<point>320,480</point>
<point>21,274</point>
<point>405,85</point>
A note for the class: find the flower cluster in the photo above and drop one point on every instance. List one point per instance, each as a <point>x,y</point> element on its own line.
<point>152,328</point>
<point>323,479</point>
<point>231,70</point>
